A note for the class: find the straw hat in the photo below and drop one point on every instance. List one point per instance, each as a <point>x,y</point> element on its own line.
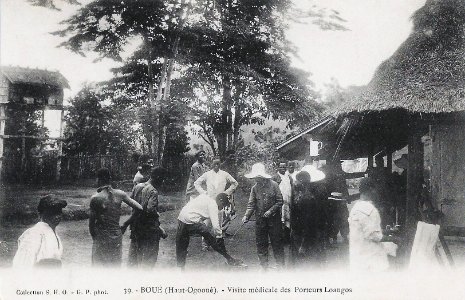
<point>315,174</point>
<point>258,170</point>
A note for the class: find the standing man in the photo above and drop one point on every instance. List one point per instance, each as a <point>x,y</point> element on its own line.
<point>145,225</point>
<point>286,183</point>
<point>191,221</point>
<point>337,202</point>
<point>266,201</point>
<point>217,181</point>
<point>40,245</point>
<point>197,170</point>
<point>105,212</point>
<point>308,222</point>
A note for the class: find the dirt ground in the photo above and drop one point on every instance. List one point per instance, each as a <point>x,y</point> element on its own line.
<point>78,243</point>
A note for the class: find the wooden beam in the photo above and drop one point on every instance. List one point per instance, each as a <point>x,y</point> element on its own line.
<point>60,147</point>
<point>2,131</point>
<point>354,175</point>
<point>17,136</point>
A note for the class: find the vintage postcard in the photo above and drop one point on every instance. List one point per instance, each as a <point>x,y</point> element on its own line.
<point>232,149</point>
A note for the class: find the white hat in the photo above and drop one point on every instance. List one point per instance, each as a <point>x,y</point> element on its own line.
<point>315,174</point>
<point>258,170</point>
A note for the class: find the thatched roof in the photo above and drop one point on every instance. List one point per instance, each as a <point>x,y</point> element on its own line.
<point>34,76</point>
<point>427,73</point>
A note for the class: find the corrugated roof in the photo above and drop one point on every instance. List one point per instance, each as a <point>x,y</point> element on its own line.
<point>427,73</point>
<point>34,76</point>
<point>314,126</point>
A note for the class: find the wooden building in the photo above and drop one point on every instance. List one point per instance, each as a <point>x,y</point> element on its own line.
<point>25,95</point>
<point>416,99</point>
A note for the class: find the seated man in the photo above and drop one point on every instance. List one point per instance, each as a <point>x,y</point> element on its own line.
<point>191,221</point>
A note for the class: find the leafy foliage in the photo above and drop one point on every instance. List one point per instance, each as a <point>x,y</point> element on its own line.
<point>51,4</point>
<point>95,128</point>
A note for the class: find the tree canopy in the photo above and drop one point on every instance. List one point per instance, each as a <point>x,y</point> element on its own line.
<point>223,63</point>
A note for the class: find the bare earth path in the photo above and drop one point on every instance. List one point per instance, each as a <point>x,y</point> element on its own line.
<point>78,243</point>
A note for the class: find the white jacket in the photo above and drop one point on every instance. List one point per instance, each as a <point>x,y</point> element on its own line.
<point>37,243</point>
<point>366,251</point>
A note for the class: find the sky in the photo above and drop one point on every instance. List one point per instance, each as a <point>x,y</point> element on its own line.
<point>376,29</point>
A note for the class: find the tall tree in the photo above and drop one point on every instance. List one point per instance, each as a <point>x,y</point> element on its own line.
<point>106,26</point>
<point>238,50</point>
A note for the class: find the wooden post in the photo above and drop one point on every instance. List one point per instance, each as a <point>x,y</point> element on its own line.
<point>23,154</point>
<point>389,161</point>
<point>2,132</point>
<point>370,161</point>
<point>60,147</point>
<point>414,184</point>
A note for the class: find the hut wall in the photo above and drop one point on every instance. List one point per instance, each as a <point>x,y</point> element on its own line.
<point>4,84</point>
<point>448,173</point>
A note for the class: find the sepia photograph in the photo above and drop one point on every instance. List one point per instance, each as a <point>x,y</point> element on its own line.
<point>232,149</point>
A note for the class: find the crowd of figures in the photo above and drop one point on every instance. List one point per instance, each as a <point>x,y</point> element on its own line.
<point>304,210</point>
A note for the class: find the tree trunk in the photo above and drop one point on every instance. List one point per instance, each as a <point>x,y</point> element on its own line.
<point>237,124</point>
<point>165,79</point>
<point>157,115</point>
<point>166,96</point>
<point>153,105</point>
<point>223,129</point>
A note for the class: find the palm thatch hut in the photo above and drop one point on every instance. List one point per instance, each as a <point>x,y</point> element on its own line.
<point>418,92</point>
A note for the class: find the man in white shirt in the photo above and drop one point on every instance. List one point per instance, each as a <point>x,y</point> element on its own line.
<point>191,221</point>
<point>216,181</point>
<point>40,245</point>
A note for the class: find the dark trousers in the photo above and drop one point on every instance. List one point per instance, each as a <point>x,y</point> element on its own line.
<point>339,214</point>
<point>143,252</point>
<point>183,237</point>
<point>269,230</point>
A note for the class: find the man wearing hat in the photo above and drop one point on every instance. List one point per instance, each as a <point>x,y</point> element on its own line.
<point>338,198</point>
<point>197,170</point>
<point>40,245</point>
<point>266,201</point>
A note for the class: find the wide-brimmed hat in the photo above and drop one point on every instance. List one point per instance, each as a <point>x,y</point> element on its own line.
<point>258,170</point>
<point>315,174</point>
<point>402,162</point>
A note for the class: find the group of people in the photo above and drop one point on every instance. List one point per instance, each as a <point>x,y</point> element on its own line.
<point>304,210</point>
